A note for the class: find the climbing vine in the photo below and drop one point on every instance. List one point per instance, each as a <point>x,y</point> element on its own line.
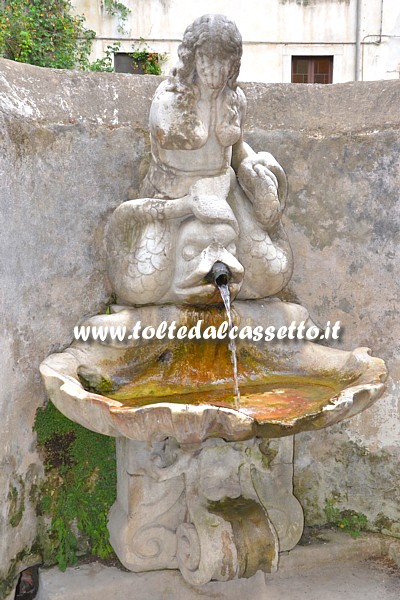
<point>105,64</point>
<point>118,9</point>
<point>45,33</point>
<point>150,62</point>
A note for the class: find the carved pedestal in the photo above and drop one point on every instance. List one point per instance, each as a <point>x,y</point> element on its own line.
<point>215,511</point>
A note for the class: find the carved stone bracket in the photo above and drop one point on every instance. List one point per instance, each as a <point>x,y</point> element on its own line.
<point>215,511</point>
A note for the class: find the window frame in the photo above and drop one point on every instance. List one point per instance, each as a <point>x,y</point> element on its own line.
<point>311,74</point>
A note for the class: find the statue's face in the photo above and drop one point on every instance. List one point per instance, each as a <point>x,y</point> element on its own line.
<point>213,69</point>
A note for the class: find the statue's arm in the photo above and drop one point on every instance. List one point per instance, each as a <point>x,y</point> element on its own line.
<point>148,210</point>
<point>257,169</point>
<point>262,179</point>
<point>203,204</point>
<point>241,151</point>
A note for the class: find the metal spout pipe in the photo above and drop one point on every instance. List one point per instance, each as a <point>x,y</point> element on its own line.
<point>219,275</point>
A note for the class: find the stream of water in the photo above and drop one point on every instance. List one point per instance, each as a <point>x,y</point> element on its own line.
<point>226,297</point>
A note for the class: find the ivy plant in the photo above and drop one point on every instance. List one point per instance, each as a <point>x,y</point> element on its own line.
<point>106,64</point>
<point>150,62</point>
<point>118,9</point>
<point>45,33</point>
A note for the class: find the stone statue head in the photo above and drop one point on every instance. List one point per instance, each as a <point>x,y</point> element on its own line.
<point>213,35</point>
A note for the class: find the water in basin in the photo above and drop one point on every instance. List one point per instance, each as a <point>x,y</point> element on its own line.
<point>200,373</point>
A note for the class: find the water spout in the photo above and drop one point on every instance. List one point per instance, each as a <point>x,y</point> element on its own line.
<point>219,275</point>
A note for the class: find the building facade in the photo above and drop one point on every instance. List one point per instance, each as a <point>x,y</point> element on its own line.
<point>311,41</point>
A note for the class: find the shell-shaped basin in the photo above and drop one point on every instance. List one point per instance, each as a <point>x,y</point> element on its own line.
<point>151,389</point>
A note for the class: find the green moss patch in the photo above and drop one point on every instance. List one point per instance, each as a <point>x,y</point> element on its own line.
<point>350,521</point>
<point>16,502</point>
<point>79,489</point>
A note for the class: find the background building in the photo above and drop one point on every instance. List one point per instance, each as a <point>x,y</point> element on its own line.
<point>310,41</point>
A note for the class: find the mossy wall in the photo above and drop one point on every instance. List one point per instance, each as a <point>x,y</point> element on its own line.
<point>78,490</point>
<point>73,146</point>
<point>70,150</point>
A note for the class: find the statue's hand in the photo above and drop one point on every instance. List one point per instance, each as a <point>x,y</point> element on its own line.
<point>275,171</point>
<point>266,203</point>
<point>212,209</point>
<point>260,177</point>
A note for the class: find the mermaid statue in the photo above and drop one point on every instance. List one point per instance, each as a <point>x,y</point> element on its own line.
<point>207,197</point>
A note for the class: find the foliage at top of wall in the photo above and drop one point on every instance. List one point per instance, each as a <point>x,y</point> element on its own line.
<point>45,33</point>
<point>150,62</point>
<point>106,64</point>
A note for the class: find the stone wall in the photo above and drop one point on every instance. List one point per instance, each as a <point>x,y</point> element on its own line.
<point>340,147</point>
<point>71,149</point>
<point>73,146</point>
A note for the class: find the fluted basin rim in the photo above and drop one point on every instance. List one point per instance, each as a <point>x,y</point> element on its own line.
<point>191,424</point>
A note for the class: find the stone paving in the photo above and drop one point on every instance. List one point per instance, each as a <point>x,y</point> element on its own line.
<point>333,566</point>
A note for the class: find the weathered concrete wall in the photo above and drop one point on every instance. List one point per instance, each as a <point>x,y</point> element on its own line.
<point>72,148</point>
<point>340,146</point>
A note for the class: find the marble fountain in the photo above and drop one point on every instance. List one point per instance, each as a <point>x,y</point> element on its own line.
<point>204,423</point>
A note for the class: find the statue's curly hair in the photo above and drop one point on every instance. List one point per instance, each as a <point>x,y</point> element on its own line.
<point>213,32</point>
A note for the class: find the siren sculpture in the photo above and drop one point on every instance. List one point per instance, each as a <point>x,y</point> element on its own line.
<point>205,478</point>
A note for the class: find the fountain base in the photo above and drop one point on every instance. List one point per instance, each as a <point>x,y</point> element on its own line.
<point>205,485</point>
<point>216,510</point>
